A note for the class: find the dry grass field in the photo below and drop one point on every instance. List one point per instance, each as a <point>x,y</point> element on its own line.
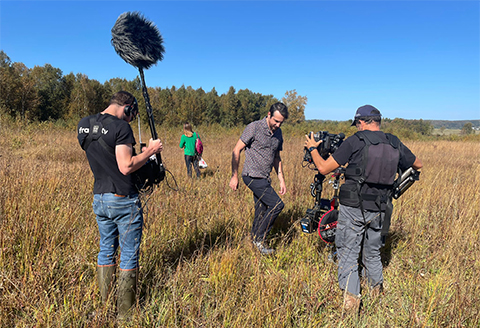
<point>198,268</point>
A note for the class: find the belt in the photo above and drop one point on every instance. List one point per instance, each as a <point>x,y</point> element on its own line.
<point>128,196</point>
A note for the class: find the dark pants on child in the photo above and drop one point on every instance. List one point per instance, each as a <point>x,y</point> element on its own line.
<point>189,160</point>
<point>268,206</point>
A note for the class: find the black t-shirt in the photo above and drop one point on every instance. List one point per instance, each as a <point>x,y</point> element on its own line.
<point>351,151</point>
<point>108,178</point>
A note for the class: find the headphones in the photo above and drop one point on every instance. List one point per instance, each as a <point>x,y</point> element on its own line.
<point>132,108</point>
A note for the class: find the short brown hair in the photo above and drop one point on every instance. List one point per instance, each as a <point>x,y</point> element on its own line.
<point>281,108</point>
<point>122,98</point>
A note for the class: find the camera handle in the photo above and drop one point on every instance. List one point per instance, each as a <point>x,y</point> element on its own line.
<point>316,187</point>
<point>337,174</point>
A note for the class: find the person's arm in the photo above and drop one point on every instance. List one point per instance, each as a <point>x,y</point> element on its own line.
<point>277,164</point>
<point>182,142</point>
<point>323,166</point>
<point>417,165</point>
<point>235,162</point>
<point>127,163</point>
<point>406,157</point>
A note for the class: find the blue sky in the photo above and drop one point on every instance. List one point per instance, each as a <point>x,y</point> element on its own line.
<point>410,59</point>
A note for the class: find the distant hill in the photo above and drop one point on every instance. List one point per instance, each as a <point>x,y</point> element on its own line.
<point>437,124</point>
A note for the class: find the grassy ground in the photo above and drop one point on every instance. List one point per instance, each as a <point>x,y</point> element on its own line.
<point>198,268</point>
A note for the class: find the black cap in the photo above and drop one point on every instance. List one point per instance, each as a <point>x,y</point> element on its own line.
<point>366,111</point>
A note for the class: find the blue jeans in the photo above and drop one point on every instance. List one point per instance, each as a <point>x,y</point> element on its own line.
<point>189,160</point>
<point>268,206</point>
<point>120,223</point>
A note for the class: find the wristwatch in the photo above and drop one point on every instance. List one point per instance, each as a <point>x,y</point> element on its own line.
<point>311,149</point>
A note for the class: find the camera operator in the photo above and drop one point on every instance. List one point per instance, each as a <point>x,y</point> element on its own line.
<point>365,198</point>
<point>262,141</point>
<point>108,141</point>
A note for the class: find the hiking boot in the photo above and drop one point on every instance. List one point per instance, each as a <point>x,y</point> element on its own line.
<point>377,291</point>
<point>351,303</point>
<point>264,250</point>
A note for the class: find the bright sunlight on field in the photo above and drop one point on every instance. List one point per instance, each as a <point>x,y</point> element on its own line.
<point>198,268</point>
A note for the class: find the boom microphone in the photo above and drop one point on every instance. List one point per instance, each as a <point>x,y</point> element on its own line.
<point>138,41</point>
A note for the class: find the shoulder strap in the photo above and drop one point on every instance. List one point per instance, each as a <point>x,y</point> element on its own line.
<point>394,141</point>
<point>91,135</point>
<point>95,133</point>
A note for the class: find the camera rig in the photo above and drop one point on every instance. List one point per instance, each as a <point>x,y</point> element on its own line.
<point>330,143</point>
<point>323,216</point>
<point>405,181</point>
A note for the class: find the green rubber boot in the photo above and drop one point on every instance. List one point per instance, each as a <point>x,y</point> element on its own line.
<point>127,290</point>
<point>106,280</point>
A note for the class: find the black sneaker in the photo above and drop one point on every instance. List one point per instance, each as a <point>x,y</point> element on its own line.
<point>264,250</point>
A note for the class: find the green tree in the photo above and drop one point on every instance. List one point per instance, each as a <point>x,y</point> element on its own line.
<point>197,113</point>
<point>212,107</point>
<point>249,109</point>
<point>467,128</point>
<point>296,106</point>
<point>9,85</point>
<point>85,96</point>
<point>230,108</point>
<point>49,83</point>
<point>26,93</point>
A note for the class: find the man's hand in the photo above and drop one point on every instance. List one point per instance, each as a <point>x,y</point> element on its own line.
<point>127,163</point>
<point>235,160</point>
<point>310,142</point>
<point>234,182</point>
<point>283,188</point>
<point>155,146</point>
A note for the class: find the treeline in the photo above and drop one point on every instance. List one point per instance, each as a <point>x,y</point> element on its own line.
<point>405,129</point>
<point>45,94</point>
<point>443,124</point>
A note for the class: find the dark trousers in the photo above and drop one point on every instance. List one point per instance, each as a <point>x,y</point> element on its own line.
<point>357,234</point>
<point>267,206</point>
<point>189,160</point>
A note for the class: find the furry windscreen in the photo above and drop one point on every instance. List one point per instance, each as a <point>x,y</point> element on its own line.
<point>137,40</point>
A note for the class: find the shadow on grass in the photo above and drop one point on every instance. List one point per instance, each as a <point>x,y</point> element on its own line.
<point>198,243</point>
<point>209,171</point>
<point>285,230</point>
<point>391,242</point>
<point>286,223</point>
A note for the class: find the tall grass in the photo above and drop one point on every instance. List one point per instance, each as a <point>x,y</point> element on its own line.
<point>198,268</point>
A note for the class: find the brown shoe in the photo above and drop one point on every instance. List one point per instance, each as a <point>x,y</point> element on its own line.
<point>376,292</point>
<point>351,303</point>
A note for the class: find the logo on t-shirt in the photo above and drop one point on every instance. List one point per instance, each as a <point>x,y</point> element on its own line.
<point>95,130</point>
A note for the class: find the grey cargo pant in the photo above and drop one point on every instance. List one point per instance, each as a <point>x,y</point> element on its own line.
<point>356,234</point>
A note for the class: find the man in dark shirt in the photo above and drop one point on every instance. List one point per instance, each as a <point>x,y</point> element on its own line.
<point>262,141</point>
<point>362,213</point>
<point>108,141</point>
